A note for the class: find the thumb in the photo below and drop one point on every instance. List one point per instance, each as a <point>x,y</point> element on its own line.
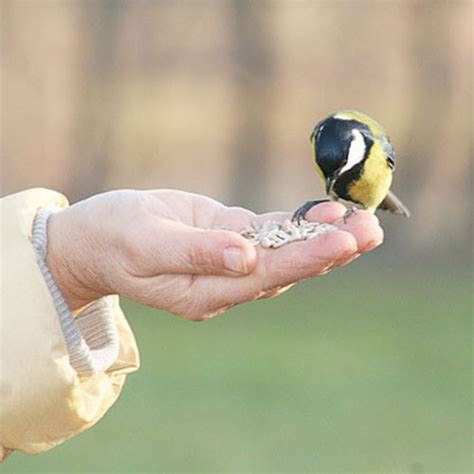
<point>185,249</point>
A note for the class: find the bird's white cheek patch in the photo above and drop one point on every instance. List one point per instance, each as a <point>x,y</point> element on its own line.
<point>356,151</point>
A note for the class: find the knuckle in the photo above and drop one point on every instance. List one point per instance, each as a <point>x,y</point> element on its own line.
<point>202,259</point>
<point>195,311</point>
<point>196,317</point>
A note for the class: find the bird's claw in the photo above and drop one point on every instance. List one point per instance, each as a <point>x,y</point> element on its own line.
<point>301,212</point>
<point>350,212</point>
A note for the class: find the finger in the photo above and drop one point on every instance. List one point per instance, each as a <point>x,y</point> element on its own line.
<point>365,227</point>
<point>210,252</point>
<point>237,218</point>
<point>326,212</point>
<point>277,268</point>
<point>175,248</point>
<point>301,260</point>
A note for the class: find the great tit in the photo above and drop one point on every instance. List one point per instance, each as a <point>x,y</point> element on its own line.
<point>355,160</point>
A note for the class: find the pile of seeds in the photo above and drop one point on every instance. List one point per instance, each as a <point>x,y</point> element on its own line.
<point>273,234</point>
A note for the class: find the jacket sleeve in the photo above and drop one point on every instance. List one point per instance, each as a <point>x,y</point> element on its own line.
<point>44,399</point>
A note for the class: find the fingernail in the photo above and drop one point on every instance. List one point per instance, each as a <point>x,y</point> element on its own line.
<point>235,260</point>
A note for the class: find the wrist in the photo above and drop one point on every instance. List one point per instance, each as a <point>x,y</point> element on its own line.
<point>69,264</point>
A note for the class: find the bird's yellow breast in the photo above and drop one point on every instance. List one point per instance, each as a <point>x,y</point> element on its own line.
<point>373,185</point>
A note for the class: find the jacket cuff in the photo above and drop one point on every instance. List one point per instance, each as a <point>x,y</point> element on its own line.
<point>91,337</point>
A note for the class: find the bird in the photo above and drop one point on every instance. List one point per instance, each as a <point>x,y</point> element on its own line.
<point>355,161</point>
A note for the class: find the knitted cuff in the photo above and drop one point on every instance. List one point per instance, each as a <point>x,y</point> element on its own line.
<point>91,337</point>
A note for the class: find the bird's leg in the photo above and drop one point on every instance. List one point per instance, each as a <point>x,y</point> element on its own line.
<point>300,213</point>
<point>349,213</point>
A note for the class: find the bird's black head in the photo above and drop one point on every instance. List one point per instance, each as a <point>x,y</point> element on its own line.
<point>333,139</point>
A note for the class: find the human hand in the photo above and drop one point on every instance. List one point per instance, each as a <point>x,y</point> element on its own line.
<point>157,248</point>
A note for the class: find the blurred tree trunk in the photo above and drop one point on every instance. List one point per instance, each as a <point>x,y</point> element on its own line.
<point>251,37</point>
<point>95,98</point>
<point>440,29</point>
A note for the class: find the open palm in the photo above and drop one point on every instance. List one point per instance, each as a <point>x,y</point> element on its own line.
<point>167,249</point>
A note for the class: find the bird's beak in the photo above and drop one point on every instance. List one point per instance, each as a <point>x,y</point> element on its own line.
<point>329,184</point>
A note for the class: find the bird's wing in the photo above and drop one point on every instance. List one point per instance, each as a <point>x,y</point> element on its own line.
<point>388,149</point>
<point>394,205</point>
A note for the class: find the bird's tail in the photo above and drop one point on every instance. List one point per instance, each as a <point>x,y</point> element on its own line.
<point>394,205</point>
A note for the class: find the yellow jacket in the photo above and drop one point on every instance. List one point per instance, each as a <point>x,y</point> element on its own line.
<point>44,400</point>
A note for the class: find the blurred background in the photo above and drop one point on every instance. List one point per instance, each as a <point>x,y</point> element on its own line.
<point>368,369</point>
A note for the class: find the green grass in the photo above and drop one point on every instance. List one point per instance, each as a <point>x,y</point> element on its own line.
<point>363,370</point>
